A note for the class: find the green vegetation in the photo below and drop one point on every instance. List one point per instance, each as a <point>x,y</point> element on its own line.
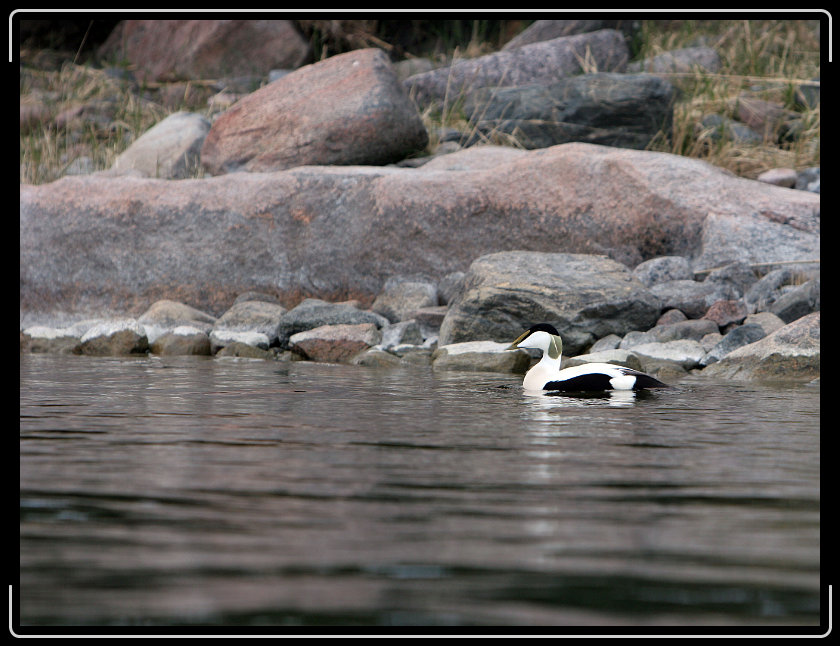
<point>72,111</point>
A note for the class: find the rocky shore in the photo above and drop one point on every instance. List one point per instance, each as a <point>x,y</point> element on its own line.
<point>749,327</point>
<point>322,234</point>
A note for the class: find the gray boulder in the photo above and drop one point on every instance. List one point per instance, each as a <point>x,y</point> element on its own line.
<point>165,315</point>
<point>480,356</point>
<point>49,340</point>
<point>737,275</point>
<point>622,110</point>
<point>401,296</point>
<point>687,59</point>
<point>183,340</point>
<point>403,332</point>
<point>752,238</point>
<point>721,128</point>
<point>688,296</point>
<point>798,302</point>
<point>726,312</point>
<point>808,180</point>
<point>694,329</point>
<point>769,288</point>
<point>171,149</point>
<point>223,338</point>
<point>541,30</point>
<point>663,269</point>
<point>584,296</point>
<point>685,353</point>
<point>789,353</point>
<point>252,316</point>
<point>114,338</point>
<point>335,343</point>
<point>767,320</point>
<point>538,62</point>
<point>733,340</point>
<point>312,313</point>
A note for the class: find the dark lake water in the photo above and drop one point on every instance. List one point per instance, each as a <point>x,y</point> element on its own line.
<point>191,491</point>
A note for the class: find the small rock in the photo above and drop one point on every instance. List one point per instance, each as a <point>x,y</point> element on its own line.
<point>686,353</point>
<point>221,338</point>
<point>767,290</point>
<point>252,316</point>
<point>312,313</point>
<point>487,356</point>
<point>720,127</point>
<point>335,343</point>
<point>798,302</point>
<point>609,342</point>
<point>689,296</point>
<point>725,312</point>
<point>694,329</point>
<point>115,337</point>
<point>430,319</point>
<point>165,315</point>
<point>732,341</point>
<point>671,316</point>
<point>621,110</point>
<point>376,358</point>
<point>170,150</point>
<point>680,61</point>
<point>47,340</point>
<point>767,320</point>
<point>764,117</point>
<point>663,269</point>
<point>735,278</point>
<point>183,340</point>
<point>585,296</point>
<point>245,351</point>
<point>779,177</point>
<point>710,340</point>
<point>634,338</point>
<point>404,332</point>
<point>808,178</point>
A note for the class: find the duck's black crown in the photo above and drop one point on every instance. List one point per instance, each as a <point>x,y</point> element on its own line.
<point>543,327</point>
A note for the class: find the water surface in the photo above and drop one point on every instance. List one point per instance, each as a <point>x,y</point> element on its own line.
<point>175,491</point>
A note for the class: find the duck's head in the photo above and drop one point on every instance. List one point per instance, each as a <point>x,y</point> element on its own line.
<point>541,336</point>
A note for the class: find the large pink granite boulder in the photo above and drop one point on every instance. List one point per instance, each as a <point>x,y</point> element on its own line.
<point>347,109</point>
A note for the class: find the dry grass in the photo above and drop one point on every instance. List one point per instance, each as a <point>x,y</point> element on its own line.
<point>112,117</point>
<point>767,58</point>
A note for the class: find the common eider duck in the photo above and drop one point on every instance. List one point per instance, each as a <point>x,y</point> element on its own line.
<point>546,374</point>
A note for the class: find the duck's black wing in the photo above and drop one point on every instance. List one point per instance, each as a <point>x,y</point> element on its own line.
<point>644,380</point>
<point>600,381</point>
<point>591,381</point>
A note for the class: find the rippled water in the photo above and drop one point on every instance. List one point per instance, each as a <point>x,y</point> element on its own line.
<point>169,491</point>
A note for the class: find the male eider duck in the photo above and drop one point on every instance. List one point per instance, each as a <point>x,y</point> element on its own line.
<point>546,374</point>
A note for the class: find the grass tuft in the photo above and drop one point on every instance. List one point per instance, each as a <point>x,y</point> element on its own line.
<point>74,112</point>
